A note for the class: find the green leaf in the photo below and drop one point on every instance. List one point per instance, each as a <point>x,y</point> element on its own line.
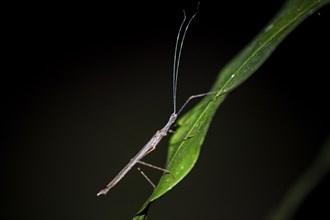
<point>185,144</point>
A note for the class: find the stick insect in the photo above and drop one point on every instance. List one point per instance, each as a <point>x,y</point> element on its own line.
<point>158,136</point>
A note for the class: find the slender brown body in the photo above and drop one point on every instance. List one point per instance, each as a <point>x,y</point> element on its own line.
<point>148,147</point>
<point>158,136</point>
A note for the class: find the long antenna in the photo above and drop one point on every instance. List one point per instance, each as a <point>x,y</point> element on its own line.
<point>177,55</point>
<point>175,78</point>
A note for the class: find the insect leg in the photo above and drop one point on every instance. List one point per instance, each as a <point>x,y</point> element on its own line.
<point>145,176</point>
<point>153,166</point>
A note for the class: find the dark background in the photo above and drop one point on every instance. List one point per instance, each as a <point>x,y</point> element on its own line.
<point>85,86</point>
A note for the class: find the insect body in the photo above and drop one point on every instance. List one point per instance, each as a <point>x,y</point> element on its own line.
<point>158,136</point>
<point>150,146</point>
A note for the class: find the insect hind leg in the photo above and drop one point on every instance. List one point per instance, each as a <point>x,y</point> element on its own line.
<point>153,166</point>
<point>145,176</point>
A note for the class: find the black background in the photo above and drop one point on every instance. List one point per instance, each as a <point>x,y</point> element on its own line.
<point>85,86</point>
